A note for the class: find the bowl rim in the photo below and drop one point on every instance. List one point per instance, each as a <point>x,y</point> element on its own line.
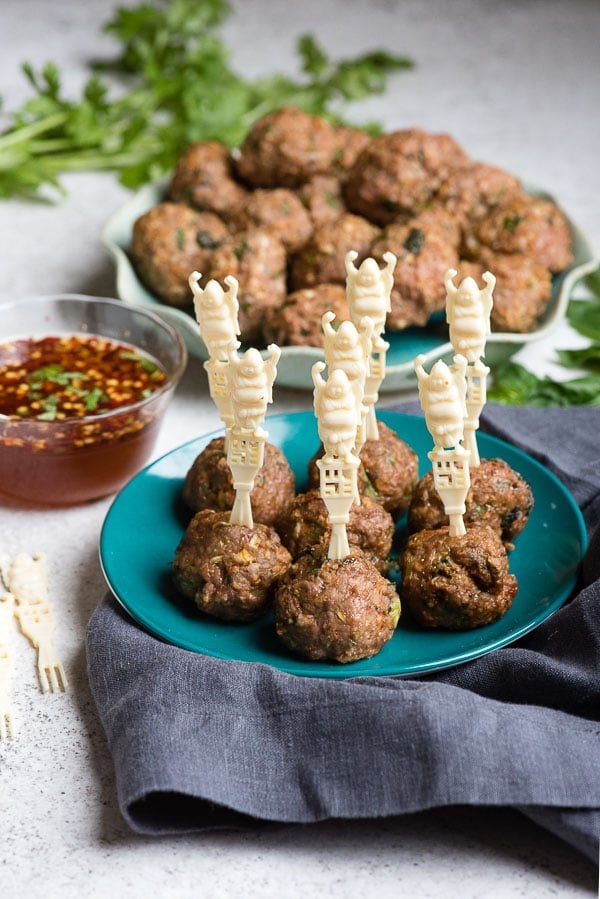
<point>171,382</point>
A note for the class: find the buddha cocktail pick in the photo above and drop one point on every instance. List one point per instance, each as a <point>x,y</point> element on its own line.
<point>468,312</point>
<point>7,728</point>
<point>348,349</point>
<point>26,578</point>
<point>217,317</point>
<point>250,381</point>
<point>368,291</point>
<point>338,416</point>
<point>442,394</point>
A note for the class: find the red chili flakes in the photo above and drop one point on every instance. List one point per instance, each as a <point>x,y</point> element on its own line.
<point>57,378</point>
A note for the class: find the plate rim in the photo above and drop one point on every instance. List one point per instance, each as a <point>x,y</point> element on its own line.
<point>328,670</point>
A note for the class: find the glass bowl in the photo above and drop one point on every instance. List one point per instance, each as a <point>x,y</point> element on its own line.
<point>77,459</point>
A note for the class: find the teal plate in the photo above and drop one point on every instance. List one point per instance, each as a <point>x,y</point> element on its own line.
<point>146,521</point>
<point>293,368</point>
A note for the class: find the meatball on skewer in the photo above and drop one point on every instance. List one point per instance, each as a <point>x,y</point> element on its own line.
<point>209,483</point>
<point>341,610</point>
<point>499,498</point>
<point>457,583</point>
<point>230,571</point>
<point>305,526</point>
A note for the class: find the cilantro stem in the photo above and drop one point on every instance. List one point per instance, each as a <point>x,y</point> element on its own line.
<point>26,132</point>
<point>175,87</point>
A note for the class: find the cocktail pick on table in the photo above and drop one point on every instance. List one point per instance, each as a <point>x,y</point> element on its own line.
<point>442,395</point>
<point>26,578</point>
<point>368,291</point>
<point>250,381</point>
<point>217,317</point>
<point>338,416</point>
<point>468,312</point>
<point>7,728</point>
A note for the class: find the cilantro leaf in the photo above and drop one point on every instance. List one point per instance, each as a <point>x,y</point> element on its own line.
<point>515,385</point>
<point>177,86</point>
<point>584,317</point>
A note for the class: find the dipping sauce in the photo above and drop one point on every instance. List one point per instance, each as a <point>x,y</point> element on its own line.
<point>79,415</point>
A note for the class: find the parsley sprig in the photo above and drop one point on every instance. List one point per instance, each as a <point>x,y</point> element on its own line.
<point>515,385</point>
<point>175,85</point>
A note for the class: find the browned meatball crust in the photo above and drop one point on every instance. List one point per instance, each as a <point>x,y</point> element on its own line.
<point>305,525</point>
<point>331,609</point>
<point>499,498</point>
<point>281,211</point>
<point>350,144</point>
<point>297,322</point>
<point>399,172</point>
<point>322,196</point>
<point>528,225</point>
<point>203,177</point>
<point>322,259</point>
<point>230,571</point>
<point>285,148</point>
<point>209,484</point>
<point>388,472</point>
<point>426,246</point>
<point>456,583</point>
<point>470,193</point>
<point>257,259</point>
<point>170,241</point>
<point>523,288</point>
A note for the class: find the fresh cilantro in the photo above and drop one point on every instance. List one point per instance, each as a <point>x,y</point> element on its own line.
<point>54,374</point>
<point>176,86</point>
<point>49,405</point>
<point>515,385</point>
<point>584,317</point>
<point>143,361</point>
<point>93,398</point>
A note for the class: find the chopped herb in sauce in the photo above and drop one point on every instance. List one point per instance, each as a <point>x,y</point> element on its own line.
<point>57,378</point>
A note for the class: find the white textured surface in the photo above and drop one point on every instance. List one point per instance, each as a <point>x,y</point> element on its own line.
<point>517,84</point>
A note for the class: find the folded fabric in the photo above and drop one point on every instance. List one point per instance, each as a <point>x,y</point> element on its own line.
<point>199,743</point>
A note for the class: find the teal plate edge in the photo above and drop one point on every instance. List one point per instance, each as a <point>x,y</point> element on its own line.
<point>146,521</point>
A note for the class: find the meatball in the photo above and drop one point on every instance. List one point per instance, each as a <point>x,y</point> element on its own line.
<point>305,524</point>
<point>388,472</point>
<point>203,177</point>
<point>426,246</point>
<point>522,292</point>
<point>456,583</point>
<point>297,322</point>
<point>322,196</point>
<point>350,144</point>
<point>257,259</point>
<point>499,498</point>
<point>285,148</point>
<point>322,259</point>
<point>533,226</point>
<point>209,484</point>
<point>470,193</point>
<point>399,172</point>
<point>230,571</point>
<point>343,610</point>
<point>170,241</point>
<point>281,211</point>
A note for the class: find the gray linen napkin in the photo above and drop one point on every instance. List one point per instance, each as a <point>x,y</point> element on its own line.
<point>202,743</point>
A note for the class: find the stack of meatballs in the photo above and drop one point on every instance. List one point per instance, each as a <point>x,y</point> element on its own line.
<point>323,609</point>
<point>281,213</point>
<point>345,612</point>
